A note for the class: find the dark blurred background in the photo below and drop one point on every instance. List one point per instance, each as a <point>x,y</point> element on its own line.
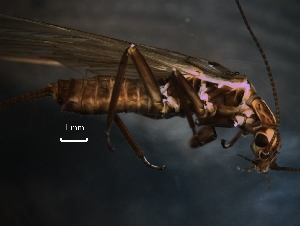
<point>45,182</point>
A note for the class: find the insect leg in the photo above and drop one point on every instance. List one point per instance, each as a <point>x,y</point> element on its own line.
<point>147,77</point>
<point>216,122</point>
<point>183,87</point>
<point>205,135</point>
<point>133,143</point>
<point>190,92</point>
<point>179,88</point>
<point>115,96</point>
<point>231,143</point>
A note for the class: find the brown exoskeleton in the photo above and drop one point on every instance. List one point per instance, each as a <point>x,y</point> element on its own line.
<point>156,83</point>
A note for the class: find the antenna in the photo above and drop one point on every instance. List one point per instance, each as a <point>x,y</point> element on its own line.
<point>269,73</point>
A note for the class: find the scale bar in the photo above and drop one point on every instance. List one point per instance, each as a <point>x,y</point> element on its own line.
<point>76,141</point>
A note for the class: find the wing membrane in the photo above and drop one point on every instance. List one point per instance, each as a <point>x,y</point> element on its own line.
<point>100,55</point>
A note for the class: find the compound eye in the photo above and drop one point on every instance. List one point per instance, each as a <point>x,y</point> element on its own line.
<point>261,140</point>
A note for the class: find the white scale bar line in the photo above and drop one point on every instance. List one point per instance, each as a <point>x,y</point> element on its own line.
<point>61,140</point>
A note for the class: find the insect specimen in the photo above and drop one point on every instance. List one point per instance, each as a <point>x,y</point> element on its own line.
<point>154,82</point>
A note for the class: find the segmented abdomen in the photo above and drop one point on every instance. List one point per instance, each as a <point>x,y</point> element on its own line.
<point>92,96</point>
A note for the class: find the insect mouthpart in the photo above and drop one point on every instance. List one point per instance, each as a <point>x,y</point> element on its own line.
<point>263,155</point>
<point>260,165</point>
<point>249,160</point>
